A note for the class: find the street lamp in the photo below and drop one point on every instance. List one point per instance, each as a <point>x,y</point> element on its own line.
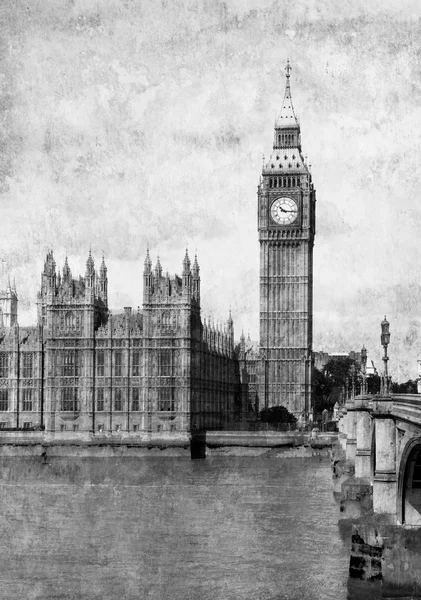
<point>353,380</point>
<point>385,339</point>
<point>364,369</point>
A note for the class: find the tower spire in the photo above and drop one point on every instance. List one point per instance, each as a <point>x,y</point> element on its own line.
<point>287,117</point>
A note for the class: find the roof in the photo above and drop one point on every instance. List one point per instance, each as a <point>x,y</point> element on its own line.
<point>285,161</point>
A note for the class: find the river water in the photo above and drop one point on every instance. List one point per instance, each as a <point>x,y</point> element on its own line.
<point>250,527</point>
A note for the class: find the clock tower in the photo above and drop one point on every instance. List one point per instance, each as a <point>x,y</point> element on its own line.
<point>286,225</point>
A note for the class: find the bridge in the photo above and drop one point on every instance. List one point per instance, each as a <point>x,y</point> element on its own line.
<point>380,436</point>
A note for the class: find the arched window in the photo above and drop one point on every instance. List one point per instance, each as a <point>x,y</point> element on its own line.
<point>70,320</point>
<point>293,182</point>
<point>275,182</point>
<point>289,182</point>
<point>270,182</point>
<point>279,140</point>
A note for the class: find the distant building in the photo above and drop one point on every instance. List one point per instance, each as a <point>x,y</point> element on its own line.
<point>322,358</point>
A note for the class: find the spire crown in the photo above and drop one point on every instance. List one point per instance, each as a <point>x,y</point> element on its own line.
<point>148,262</point>
<point>287,117</point>
<point>186,263</point>
<point>67,274</point>
<point>103,268</point>
<point>90,265</point>
<point>158,268</point>
<point>196,267</point>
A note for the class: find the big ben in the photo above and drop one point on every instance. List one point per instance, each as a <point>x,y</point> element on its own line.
<point>286,225</point>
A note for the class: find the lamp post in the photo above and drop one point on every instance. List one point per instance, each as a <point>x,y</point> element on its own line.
<point>353,380</point>
<point>364,369</point>
<point>385,339</point>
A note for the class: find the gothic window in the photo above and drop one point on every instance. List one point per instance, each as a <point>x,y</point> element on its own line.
<point>4,364</point>
<point>165,363</point>
<point>136,364</point>
<point>118,402</point>
<point>70,320</point>
<point>100,399</point>
<point>100,363</point>
<point>27,400</point>
<point>135,399</point>
<point>75,427</point>
<point>135,427</point>
<point>27,425</point>
<point>118,364</point>
<point>69,364</point>
<point>69,401</point>
<point>166,399</point>
<point>4,400</point>
<point>275,182</point>
<point>293,182</point>
<point>289,182</point>
<point>27,364</point>
<point>270,182</point>
<point>166,320</point>
<point>279,139</point>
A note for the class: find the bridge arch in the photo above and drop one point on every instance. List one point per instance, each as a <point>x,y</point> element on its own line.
<point>409,484</point>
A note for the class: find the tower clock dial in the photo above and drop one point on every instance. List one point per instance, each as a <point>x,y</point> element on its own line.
<point>284,211</point>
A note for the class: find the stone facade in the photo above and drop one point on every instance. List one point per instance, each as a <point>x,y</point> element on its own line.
<point>82,368</point>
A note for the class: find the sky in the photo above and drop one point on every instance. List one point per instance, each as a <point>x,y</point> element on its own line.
<point>133,123</point>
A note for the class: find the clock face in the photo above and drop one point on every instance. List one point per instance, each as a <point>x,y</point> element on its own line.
<point>284,211</point>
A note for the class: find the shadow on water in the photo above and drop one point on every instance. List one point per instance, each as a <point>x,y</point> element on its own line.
<point>198,445</point>
<point>364,590</point>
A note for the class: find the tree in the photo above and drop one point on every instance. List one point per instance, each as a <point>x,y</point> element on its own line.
<point>322,389</point>
<point>276,415</point>
<point>409,387</point>
<point>331,381</point>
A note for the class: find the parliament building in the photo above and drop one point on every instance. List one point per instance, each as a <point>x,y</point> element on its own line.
<point>163,369</point>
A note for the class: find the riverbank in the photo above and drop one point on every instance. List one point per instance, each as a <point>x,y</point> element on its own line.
<point>235,443</point>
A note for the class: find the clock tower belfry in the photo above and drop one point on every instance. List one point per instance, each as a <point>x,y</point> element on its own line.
<point>286,225</point>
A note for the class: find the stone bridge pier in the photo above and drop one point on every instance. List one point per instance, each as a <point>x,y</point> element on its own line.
<point>381,488</point>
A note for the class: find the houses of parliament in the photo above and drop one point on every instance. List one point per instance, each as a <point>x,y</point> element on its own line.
<point>163,368</point>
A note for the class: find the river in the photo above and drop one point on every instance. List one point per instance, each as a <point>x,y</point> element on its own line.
<point>159,527</point>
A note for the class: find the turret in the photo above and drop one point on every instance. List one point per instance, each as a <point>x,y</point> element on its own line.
<point>242,353</point>
<point>9,306</point>
<point>90,272</point>
<point>67,274</point>
<point>48,276</point>
<point>230,331</point>
<point>186,274</point>
<point>158,269</point>
<point>147,276</point>
<point>103,282</point>
<point>196,279</point>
